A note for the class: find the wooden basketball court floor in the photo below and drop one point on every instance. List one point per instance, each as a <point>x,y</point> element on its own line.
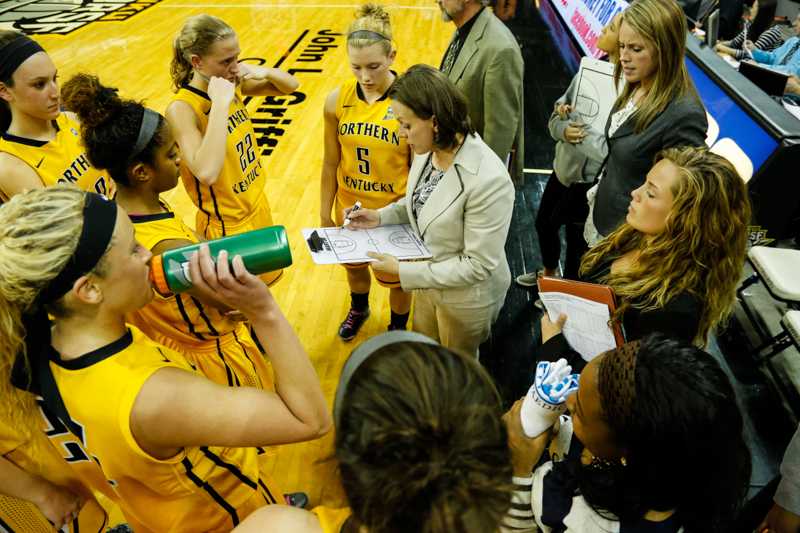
<point>306,37</point>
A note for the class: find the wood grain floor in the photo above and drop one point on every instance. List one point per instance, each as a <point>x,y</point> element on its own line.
<point>307,36</point>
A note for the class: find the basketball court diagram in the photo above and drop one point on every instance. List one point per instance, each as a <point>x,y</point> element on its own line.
<point>595,92</point>
<point>342,245</point>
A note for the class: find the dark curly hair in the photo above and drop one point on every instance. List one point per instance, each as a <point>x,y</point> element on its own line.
<point>674,414</point>
<point>109,126</point>
<point>421,444</point>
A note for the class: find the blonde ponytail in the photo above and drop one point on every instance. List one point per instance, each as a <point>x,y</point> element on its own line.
<point>196,37</point>
<point>39,231</point>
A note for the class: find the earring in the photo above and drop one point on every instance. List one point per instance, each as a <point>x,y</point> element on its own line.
<point>604,464</point>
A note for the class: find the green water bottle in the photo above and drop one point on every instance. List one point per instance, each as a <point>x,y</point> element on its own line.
<point>262,250</point>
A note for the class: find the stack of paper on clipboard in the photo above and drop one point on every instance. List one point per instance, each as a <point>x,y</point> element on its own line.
<point>588,307</point>
<point>330,246</point>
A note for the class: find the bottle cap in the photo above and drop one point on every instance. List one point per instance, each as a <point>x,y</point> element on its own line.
<point>158,277</point>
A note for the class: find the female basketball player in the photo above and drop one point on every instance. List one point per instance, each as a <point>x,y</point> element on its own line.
<point>176,449</point>
<point>137,148</point>
<point>40,144</point>
<point>365,158</point>
<point>221,167</point>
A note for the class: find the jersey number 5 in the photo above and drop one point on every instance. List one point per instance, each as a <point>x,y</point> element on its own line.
<point>362,154</point>
<point>246,153</point>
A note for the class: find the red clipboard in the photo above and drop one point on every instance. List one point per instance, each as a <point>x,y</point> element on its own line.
<point>591,291</point>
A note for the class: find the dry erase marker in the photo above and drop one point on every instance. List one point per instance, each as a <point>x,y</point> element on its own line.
<point>356,207</point>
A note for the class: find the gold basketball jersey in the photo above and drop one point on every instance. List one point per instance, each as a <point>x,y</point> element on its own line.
<point>373,167</point>
<point>240,184</point>
<point>200,489</point>
<point>332,520</point>
<point>218,347</point>
<point>62,160</point>
<point>60,465</point>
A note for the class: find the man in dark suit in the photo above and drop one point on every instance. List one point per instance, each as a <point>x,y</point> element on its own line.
<point>485,62</point>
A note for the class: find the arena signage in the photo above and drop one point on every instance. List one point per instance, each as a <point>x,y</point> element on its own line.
<point>586,18</point>
<point>53,17</point>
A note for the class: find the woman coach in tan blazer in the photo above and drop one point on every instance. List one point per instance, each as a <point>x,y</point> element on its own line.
<point>459,199</point>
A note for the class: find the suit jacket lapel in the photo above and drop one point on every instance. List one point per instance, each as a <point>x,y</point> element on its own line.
<point>470,47</point>
<point>446,192</point>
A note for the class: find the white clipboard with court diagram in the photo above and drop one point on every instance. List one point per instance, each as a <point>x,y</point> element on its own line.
<point>329,246</point>
<point>595,93</point>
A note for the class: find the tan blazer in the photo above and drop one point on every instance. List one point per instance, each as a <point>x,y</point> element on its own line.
<point>489,70</point>
<point>464,224</point>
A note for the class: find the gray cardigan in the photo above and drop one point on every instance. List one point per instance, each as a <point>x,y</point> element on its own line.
<point>575,163</point>
<point>631,155</point>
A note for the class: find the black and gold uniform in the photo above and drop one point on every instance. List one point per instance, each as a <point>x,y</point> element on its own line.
<point>236,203</point>
<point>220,348</point>
<point>332,520</point>
<point>205,488</point>
<point>59,464</point>
<point>373,163</point>
<point>61,160</point>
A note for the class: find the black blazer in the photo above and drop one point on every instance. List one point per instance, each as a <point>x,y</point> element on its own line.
<point>679,319</point>
<point>631,155</point>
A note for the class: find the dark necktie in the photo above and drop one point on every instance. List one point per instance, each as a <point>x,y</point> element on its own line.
<point>450,56</point>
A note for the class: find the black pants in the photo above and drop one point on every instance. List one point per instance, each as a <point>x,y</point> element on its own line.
<point>562,206</point>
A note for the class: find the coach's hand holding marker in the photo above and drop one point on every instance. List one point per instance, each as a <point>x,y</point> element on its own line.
<point>351,212</point>
<point>358,217</point>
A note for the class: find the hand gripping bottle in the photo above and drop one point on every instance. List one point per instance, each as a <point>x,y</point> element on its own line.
<point>545,399</point>
<point>262,250</point>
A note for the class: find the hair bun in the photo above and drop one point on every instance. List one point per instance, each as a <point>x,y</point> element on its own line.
<point>375,11</point>
<point>93,102</point>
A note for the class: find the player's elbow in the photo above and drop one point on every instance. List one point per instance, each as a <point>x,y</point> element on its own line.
<point>206,176</point>
<point>318,425</point>
<point>291,85</point>
<point>324,425</point>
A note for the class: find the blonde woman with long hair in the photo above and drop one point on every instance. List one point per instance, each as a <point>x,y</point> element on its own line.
<point>676,260</point>
<point>658,107</point>
<point>178,452</point>
<point>221,163</point>
<point>370,165</point>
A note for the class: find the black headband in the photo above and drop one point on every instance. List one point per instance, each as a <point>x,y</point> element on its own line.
<point>99,217</point>
<point>362,353</point>
<point>15,53</point>
<point>367,34</point>
<point>147,129</point>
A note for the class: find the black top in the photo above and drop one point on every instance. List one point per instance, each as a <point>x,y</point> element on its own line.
<point>458,43</point>
<point>679,318</point>
<point>630,155</point>
<point>560,492</point>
